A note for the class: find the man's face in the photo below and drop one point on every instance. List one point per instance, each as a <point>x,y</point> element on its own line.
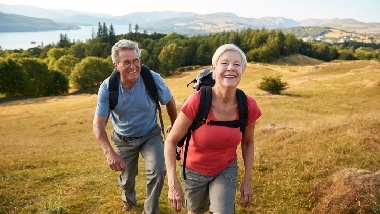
<point>129,65</point>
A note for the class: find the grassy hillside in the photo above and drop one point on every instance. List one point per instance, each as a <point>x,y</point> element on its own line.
<point>327,121</point>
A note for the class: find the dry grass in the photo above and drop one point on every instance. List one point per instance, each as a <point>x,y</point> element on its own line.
<point>327,121</point>
<point>341,34</point>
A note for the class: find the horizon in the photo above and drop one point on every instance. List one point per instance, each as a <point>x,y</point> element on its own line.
<point>363,11</point>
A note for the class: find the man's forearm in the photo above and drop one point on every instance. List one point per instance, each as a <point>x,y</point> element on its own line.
<point>171,108</point>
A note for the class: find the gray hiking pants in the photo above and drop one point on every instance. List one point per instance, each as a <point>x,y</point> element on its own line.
<point>151,148</point>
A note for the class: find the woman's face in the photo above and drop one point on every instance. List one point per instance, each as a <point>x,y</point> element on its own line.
<point>228,69</point>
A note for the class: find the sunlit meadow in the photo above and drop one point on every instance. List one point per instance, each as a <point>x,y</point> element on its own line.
<point>327,120</point>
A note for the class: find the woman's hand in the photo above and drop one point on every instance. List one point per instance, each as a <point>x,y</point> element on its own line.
<point>176,197</point>
<point>246,191</point>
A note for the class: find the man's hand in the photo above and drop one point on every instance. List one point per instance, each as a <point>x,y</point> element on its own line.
<point>168,129</point>
<point>115,161</point>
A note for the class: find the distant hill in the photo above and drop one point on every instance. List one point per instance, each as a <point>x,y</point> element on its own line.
<point>350,25</point>
<point>187,23</point>
<point>215,22</point>
<point>18,23</point>
<point>133,18</point>
<point>55,15</point>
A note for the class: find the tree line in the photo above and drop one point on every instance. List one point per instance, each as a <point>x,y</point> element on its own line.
<point>53,69</point>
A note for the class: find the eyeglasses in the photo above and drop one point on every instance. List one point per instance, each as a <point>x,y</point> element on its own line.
<point>128,64</point>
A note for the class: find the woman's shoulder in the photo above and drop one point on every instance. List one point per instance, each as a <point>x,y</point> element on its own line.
<point>251,100</point>
<point>253,109</point>
<point>195,97</point>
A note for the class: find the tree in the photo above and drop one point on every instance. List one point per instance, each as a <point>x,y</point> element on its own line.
<point>262,54</point>
<point>13,80</point>
<point>93,34</point>
<point>104,33</point>
<point>44,51</point>
<point>170,59</point>
<point>345,55</point>
<point>321,51</point>
<point>291,44</point>
<point>111,36</point>
<point>20,55</point>
<point>273,85</point>
<point>130,31</point>
<point>36,51</point>
<point>89,72</point>
<point>259,37</point>
<point>38,75</point>
<point>190,50</point>
<point>66,64</point>
<point>54,54</point>
<point>333,53</point>
<point>64,41</point>
<point>365,53</point>
<point>100,30</point>
<point>203,55</point>
<point>306,49</point>
<point>274,44</point>
<point>78,50</point>
<point>96,48</point>
<point>136,32</point>
<point>144,57</point>
<point>58,84</point>
<point>234,38</point>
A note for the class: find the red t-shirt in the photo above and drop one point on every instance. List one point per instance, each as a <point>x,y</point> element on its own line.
<point>212,148</point>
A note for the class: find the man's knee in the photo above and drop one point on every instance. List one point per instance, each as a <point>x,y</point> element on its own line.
<point>160,171</point>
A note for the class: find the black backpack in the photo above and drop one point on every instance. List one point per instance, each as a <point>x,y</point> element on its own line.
<point>204,83</point>
<point>204,78</point>
<point>150,85</point>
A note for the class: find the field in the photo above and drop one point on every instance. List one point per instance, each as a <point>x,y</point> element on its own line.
<point>359,37</point>
<point>327,122</point>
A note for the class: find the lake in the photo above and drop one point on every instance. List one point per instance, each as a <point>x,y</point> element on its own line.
<point>24,40</point>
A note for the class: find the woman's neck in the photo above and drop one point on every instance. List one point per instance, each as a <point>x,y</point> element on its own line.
<point>224,95</point>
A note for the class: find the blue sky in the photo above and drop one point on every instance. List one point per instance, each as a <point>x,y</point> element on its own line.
<point>363,10</point>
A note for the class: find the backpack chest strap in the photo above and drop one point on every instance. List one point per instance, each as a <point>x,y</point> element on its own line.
<point>232,123</point>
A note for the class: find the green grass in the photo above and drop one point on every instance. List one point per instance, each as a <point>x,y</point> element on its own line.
<point>328,120</point>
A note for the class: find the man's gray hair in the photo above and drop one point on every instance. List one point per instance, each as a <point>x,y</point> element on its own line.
<point>123,45</point>
<point>229,47</point>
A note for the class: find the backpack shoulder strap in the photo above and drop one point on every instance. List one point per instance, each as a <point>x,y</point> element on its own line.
<point>204,107</point>
<point>200,119</point>
<point>150,85</point>
<point>243,108</point>
<point>113,88</point>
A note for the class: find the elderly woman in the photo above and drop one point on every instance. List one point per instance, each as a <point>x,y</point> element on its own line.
<point>211,165</point>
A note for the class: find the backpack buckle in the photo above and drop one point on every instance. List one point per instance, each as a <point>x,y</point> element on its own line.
<point>206,121</point>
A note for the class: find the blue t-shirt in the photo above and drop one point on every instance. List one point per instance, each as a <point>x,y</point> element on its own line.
<point>135,113</point>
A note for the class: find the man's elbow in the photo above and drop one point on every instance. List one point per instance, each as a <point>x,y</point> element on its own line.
<point>171,102</point>
<point>96,125</point>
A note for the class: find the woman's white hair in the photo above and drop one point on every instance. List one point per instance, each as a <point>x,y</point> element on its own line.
<point>229,47</point>
<point>122,45</point>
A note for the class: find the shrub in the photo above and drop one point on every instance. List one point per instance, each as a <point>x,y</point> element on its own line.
<point>273,85</point>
